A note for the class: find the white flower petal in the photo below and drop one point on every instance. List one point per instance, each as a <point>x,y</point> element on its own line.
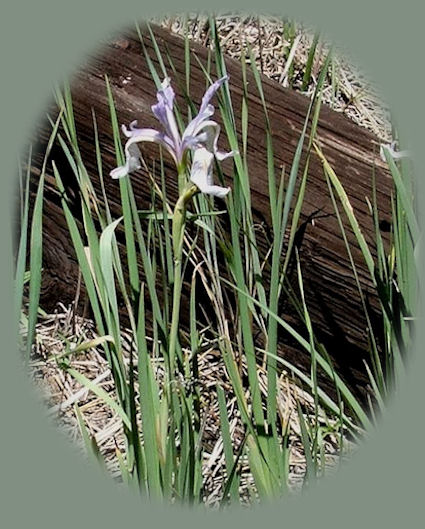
<point>390,147</point>
<point>201,173</point>
<point>217,191</point>
<point>209,131</point>
<point>132,161</point>
<point>132,152</point>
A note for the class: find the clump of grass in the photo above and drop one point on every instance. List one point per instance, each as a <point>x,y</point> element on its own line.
<point>157,390</point>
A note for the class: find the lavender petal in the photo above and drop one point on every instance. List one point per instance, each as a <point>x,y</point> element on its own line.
<point>132,152</point>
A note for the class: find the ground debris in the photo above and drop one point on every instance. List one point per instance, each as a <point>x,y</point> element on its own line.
<point>58,332</point>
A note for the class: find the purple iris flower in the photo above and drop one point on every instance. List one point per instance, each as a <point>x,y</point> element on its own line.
<point>200,136</point>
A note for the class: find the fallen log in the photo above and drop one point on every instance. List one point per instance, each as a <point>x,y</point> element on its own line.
<point>330,287</point>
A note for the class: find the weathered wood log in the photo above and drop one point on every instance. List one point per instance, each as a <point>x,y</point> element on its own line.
<point>330,287</point>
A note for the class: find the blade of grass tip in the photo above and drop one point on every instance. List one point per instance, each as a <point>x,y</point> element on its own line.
<point>287,76</point>
<point>377,392</point>
<point>257,468</point>
<point>404,197</point>
<point>100,169</point>
<point>125,474</point>
<point>101,393</point>
<point>232,473</point>
<point>382,260</point>
<point>157,51</point>
<point>310,474</point>
<point>166,217</point>
<point>309,63</point>
<point>342,195</point>
<point>405,295</point>
<point>69,114</point>
<point>22,245</point>
<point>244,112</point>
<point>81,256</point>
<point>297,156</point>
<point>194,346</point>
<point>310,335</point>
<point>36,242</point>
<point>85,346</point>
<point>284,459</point>
<point>149,62</point>
<point>125,201</point>
<point>334,82</point>
<point>110,304</point>
<point>376,362</point>
<point>106,265</point>
<point>289,34</point>
<point>187,54</point>
<point>232,480</point>
<point>317,102</point>
<point>149,406</point>
<point>133,436</point>
<point>90,443</point>
<point>20,191</point>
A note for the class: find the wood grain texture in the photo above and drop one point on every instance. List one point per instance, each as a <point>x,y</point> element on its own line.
<point>353,153</point>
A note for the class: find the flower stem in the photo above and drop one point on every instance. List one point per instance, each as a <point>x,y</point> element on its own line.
<point>179,221</point>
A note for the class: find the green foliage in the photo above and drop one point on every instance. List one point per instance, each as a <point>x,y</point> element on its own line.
<point>162,418</point>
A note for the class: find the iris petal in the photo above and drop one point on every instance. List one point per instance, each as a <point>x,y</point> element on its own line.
<point>396,155</point>
<point>164,112</point>
<point>206,110</point>
<point>208,133</point>
<point>201,173</point>
<point>132,152</point>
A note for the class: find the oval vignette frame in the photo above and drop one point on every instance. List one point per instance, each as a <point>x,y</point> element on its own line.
<point>44,445</point>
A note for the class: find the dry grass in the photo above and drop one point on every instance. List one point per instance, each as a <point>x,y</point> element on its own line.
<point>64,329</point>
<point>346,90</point>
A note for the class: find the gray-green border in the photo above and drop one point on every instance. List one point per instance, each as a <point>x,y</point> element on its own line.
<point>43,482</point>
